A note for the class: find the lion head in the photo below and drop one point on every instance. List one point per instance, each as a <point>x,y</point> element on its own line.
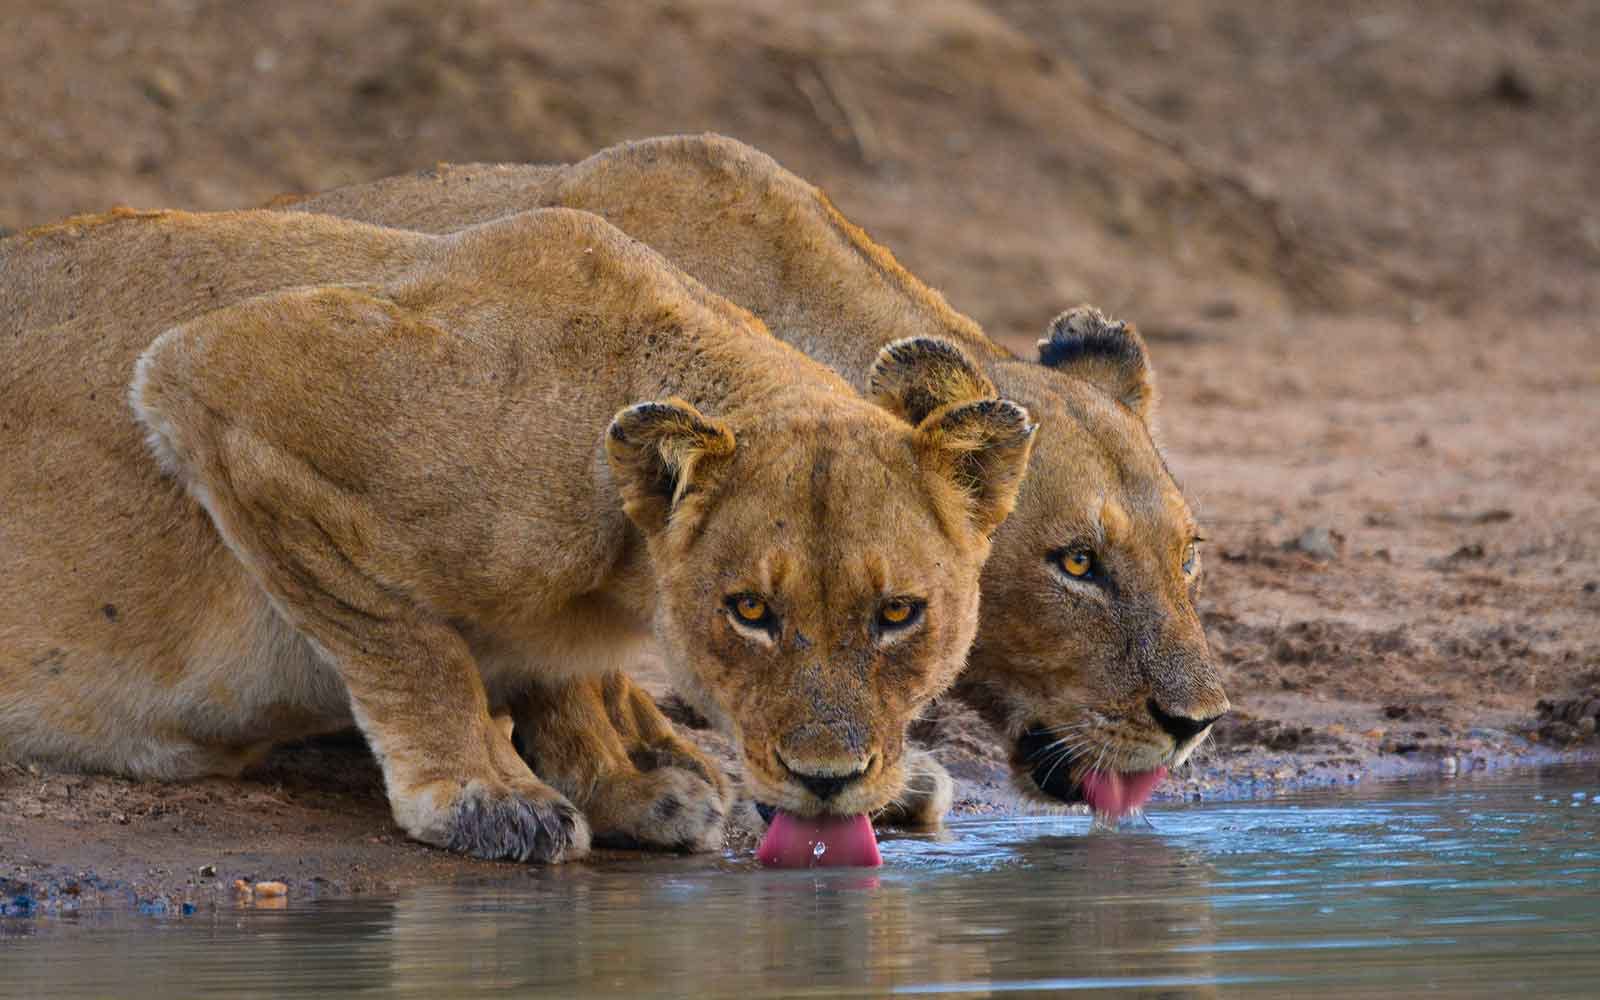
<point>818,571</point>
<point>1091,658</point>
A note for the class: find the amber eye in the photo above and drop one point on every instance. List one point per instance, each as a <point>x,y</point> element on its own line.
<point>898,612</point>
<point>750,608</point>
<point>1077,563</point>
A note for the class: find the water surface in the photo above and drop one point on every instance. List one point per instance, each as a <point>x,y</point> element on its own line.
<point>1471,887</point>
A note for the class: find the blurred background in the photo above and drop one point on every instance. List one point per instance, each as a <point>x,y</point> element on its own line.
<point>1362,239</point>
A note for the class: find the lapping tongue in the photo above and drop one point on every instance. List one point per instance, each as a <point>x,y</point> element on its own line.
<point>848,841</point>
<point>1116,794</point>
<point>819,842</point>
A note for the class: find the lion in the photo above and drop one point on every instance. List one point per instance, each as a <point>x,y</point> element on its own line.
<point>270,475</point>
<point>1090,661</point>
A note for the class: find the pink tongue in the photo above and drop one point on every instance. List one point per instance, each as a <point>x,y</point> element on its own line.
<point>819,842</point>
<point>1117,794</point>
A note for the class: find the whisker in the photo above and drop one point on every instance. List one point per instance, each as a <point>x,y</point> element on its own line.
<point>1068,727</point>
<point>1049,747</point>
<point>1067,755</point>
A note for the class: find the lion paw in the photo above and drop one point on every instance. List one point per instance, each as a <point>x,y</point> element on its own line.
<point>498,822</point>
<point>928,794</point>
<point>668,799</point>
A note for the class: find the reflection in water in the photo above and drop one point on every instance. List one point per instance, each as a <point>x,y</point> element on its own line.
<point>1460,888</point>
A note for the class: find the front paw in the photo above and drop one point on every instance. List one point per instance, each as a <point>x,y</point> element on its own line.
<point>667,800</point>
<point>497,821</point>
<point>928,794</point>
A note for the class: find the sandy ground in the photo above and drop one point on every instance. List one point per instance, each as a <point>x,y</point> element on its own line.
<point>1361,240</point>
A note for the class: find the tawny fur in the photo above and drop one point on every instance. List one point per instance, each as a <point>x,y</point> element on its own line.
<point>1079,660</point>
<point>266,475</point>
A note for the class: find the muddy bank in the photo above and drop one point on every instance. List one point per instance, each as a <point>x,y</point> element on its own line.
<point>314,818</point>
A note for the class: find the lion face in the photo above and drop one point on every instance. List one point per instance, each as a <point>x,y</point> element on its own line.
<point>818,572</point>
<point>1090,654</point>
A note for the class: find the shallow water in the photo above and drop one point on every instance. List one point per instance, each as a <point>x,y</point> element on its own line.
<point>1470,887</point>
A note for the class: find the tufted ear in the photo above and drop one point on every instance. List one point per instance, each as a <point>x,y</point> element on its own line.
<point>656,451</point>
<point>1104,352</point>
<point>913,377</point>
<point>982,446</point>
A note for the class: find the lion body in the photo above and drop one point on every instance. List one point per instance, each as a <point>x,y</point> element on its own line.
<point>1104,669</point>
<point>366,475</point>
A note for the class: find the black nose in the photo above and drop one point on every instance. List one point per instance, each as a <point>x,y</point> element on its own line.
<point>1180,727</point>
<point>826,786</point>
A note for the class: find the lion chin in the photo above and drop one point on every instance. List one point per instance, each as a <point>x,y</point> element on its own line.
<point>1113,782</point>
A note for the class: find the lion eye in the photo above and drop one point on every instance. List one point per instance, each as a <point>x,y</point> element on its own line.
<point>898,613</point>
<point>748,609</point>
<point>1077,563</point>
<point>751,609</point>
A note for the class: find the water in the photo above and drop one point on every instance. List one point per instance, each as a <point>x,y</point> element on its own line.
<point>1473,887</point>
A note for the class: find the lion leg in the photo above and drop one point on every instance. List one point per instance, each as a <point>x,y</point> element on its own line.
<point>929,792</point>
<point>603,742</point>
<point>453,779</point>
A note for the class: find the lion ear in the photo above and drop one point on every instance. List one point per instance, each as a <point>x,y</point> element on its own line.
<point>658,454</point>
<point>982,447</point>
<point>912,378</point>
<point>1104,352</point>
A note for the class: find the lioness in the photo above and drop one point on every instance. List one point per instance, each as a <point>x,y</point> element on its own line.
<point>379,476</point>
<point>1090,658</point>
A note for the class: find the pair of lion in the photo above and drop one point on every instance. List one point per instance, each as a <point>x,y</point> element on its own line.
<point>414,481</point>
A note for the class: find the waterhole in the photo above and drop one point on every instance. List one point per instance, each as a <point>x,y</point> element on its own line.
<point>1468,887</point>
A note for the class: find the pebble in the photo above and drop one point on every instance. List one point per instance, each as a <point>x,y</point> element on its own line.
<point>163,86</point>
<point>1319,543</point>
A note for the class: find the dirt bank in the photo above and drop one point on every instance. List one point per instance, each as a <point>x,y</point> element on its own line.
<point>1362,243</point>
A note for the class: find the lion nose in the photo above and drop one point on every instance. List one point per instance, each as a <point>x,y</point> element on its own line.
<point>825,784</point>
<point>1181,728</point>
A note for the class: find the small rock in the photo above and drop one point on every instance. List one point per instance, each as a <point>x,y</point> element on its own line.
<point>163,86</point>
<point>1320,543</point>
<point>1465,553</point>
<point>1511,87</point>
<point>1448,766</point>
<point>208,871</point>
<point>1558,732</point>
